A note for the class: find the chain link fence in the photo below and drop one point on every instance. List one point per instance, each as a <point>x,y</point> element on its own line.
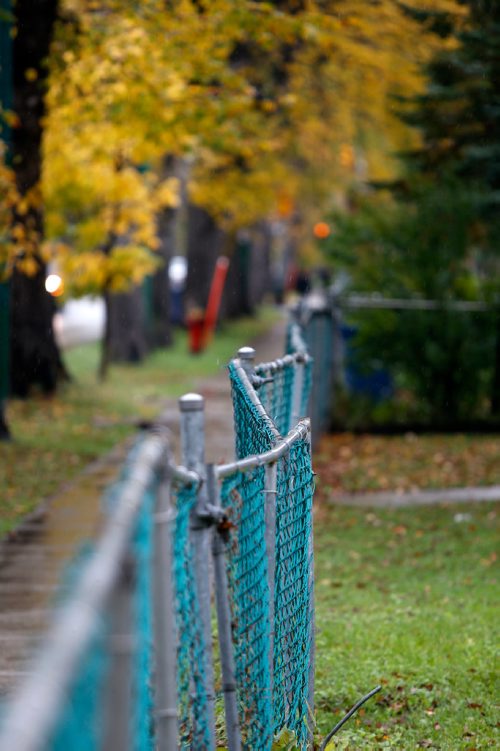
<point>191,620</point>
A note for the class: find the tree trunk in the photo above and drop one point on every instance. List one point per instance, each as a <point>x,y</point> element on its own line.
<point>124,337</point>
<point>4,358</point>
<point>35,357</point>
<point>139,320</point>
<point>236,300</point>
<point>495,384</point>
<point>160,329</point>
<point>4,428</point>
<point>126,313</point>
<point>6,84</point>
<point>205,242</point>
<point>249,277</point>
<point>249,270</point>
<point>260,266</point>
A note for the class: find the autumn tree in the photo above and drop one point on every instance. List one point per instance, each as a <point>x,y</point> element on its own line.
<point>270,107</point>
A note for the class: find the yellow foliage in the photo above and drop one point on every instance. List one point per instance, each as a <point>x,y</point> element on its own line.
<point>129,265</point>
<point>259,102</point>
<point>28,265</point>
<point>167,194</point>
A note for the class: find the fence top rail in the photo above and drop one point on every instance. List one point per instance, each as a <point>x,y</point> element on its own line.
<point>253,397</point>
<point>299,432</point>
<point>282,362</point>
<point>374,302</point>
<point>183,476</point>
<point>33,711</point>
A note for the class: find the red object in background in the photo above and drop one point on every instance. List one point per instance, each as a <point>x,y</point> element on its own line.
<point>195,322</point>
<point>321,230</point>
<point>214,297</point>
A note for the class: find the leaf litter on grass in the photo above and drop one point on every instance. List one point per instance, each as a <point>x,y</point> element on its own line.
<point>405,599</point>
<point>349,463</point>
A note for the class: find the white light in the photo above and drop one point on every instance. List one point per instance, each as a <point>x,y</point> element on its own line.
<point>177,269</point>
<point>52,283</point>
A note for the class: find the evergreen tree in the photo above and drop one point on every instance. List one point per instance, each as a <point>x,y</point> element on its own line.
<point>459,118</point>
<point>459,113</point>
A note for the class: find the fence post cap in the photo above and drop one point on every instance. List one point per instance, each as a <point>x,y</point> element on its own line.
<point>191,402</point>
<point>246,353</point>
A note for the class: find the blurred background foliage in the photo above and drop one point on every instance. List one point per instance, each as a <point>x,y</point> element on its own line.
<point>433,233</point>
<point>381,118</point>
<point>273,106</point>
<point>442,360</point>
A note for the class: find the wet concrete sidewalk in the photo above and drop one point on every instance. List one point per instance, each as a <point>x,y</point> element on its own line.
<point>386,499</point>
<point>32,563</point>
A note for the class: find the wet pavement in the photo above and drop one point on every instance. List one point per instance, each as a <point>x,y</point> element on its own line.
<point>33,562</point>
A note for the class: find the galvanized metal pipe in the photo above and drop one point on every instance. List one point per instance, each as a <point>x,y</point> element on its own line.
<point>358,302</point>
<point>164,621</point>
<point>246,357</point>
<point>282,362</point>
<point>184,476</point>
<point>312,617</point>
<point>270,490</point>
<point>298,387</point>
<point>299,432</point>
<point>192,409</point>
<point>224,628</point>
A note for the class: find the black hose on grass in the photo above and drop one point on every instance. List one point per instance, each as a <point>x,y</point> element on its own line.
<point>348,716</point>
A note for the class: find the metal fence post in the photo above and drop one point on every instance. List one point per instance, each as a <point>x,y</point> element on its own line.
<point>201,532</point>
<point>338,346</point>
<point>318,332</point>
<point>118,696</point>
<point>247,359</point>
<point>164,620</point>
<point>298,386</point>
<point>270,489</point>
<point>224,628</point>
<point>312,617</point>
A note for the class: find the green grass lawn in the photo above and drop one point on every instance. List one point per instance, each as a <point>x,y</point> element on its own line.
<point>56,437</point>
<point>408,599</point>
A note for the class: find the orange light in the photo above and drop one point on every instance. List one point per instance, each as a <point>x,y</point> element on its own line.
<point>321,230</point>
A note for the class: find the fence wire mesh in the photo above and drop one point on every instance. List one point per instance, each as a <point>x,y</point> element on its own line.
<point>269,582</point>
<point>82,720</point>
<point>142,669</point>
<point>272,616</point>
<point>192,701</point>
<point>254,433</point>
<point>293,617</point>
<point>277,395</point>
<point>243,498</point>
<point>296,344</point>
